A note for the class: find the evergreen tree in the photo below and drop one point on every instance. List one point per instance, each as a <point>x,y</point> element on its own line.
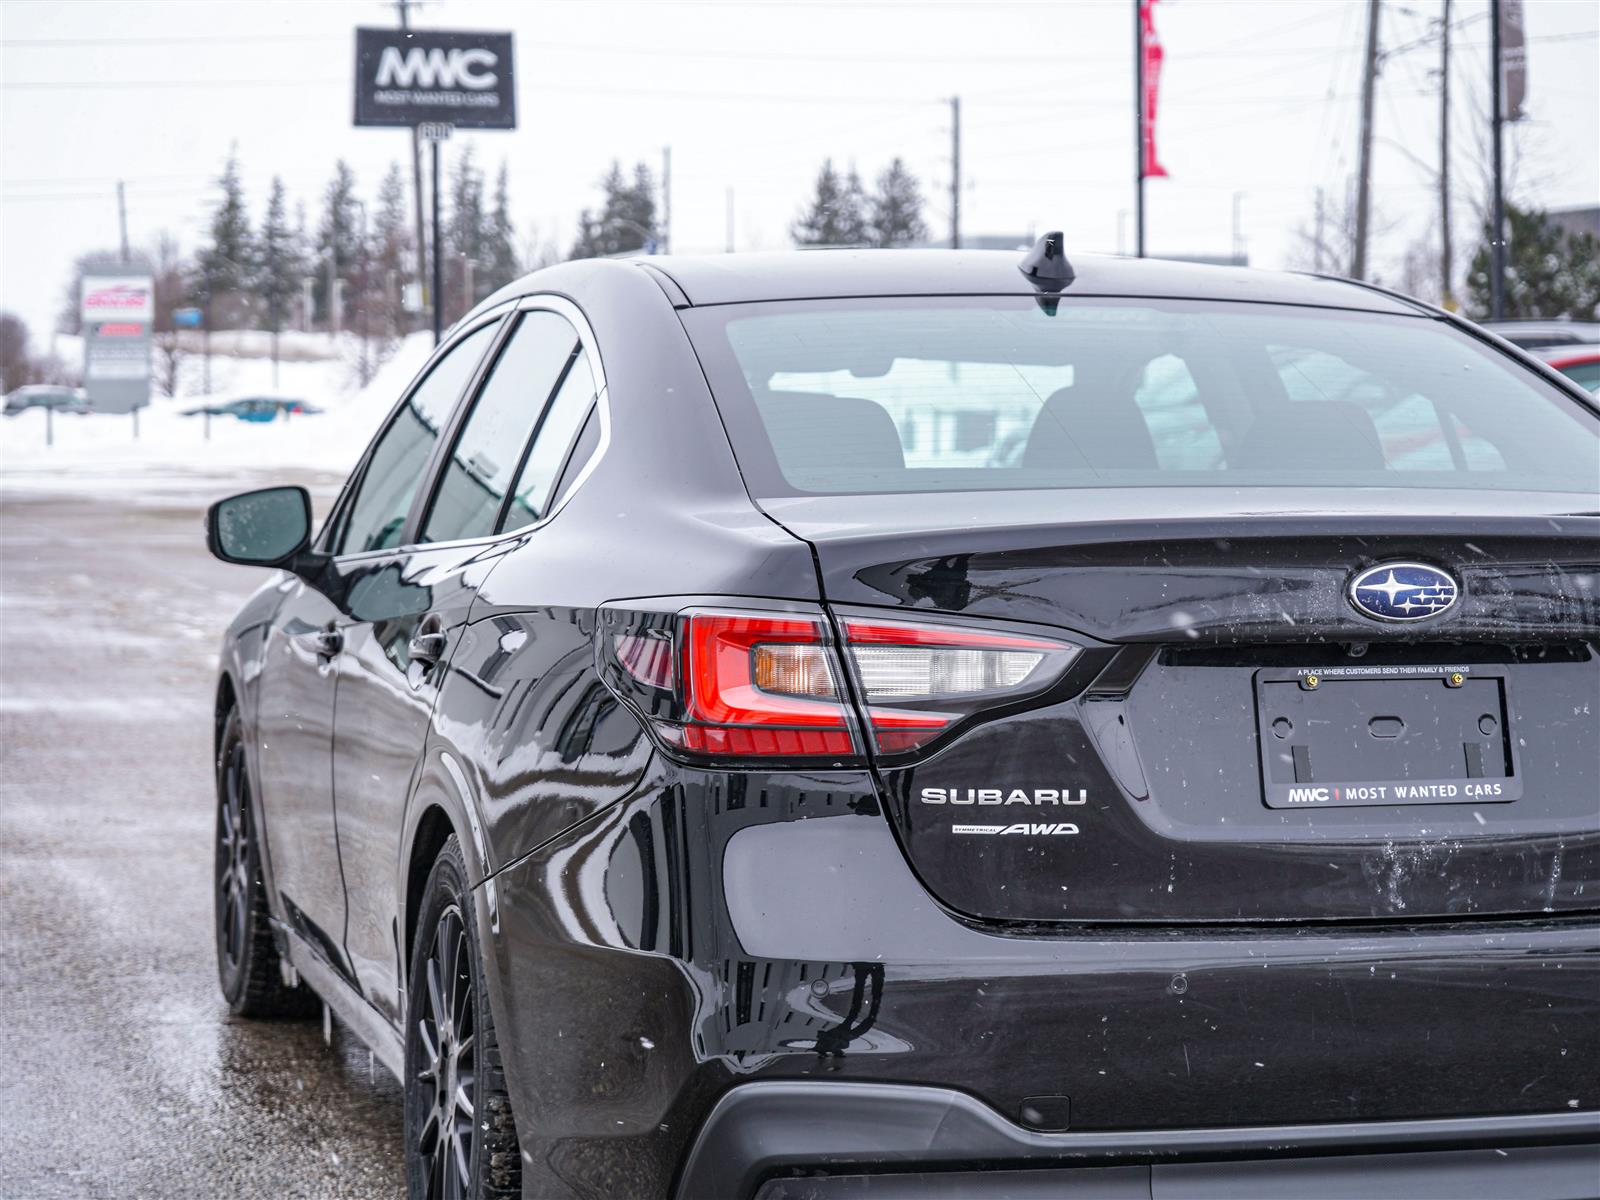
<point>836,215</point>
<point>338,237</point>
<point>627,219</point>
<point>390,250</point>
<point>280,268</point>
<point>1549,272</point>
<point>465,235</point>
<point>226,264</point>
<point>391,229</point>
<point>464,231</point>
<point>895,210</point>
<point>500,265</point>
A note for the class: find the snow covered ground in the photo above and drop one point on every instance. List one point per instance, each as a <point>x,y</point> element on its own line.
<point>100,451</point>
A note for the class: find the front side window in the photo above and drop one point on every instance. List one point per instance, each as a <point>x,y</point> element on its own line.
<point>928,394</point>
<point>377,514</point>
<point>494,439</point>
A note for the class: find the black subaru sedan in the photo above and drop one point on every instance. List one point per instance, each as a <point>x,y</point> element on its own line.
<point>895,724</point>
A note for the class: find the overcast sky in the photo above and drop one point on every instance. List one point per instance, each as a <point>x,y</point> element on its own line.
<point>1259,98</point>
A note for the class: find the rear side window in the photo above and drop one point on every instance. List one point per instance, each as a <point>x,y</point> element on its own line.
<point>377,514</point>
<point>960,393</point>
<point>534,492</point>
<point>491,444</point>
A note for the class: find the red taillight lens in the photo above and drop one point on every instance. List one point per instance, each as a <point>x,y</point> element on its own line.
<point>772,685</point>
<point>762,684</point>
<point>759,685</point>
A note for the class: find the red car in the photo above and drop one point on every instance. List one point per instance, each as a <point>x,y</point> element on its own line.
<point>1581,364</point>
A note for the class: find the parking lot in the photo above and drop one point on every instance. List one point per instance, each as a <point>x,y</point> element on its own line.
<point>124,1075</point>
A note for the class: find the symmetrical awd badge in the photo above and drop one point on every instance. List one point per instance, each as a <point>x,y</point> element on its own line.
<point>1403,591</point>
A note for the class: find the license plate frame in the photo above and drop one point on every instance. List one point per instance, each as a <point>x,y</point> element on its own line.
<point>1386,736</point>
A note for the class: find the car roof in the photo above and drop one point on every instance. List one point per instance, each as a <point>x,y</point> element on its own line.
<point>818,274</point>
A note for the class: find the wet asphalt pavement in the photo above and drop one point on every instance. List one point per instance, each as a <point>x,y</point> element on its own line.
<point>123,1074</point>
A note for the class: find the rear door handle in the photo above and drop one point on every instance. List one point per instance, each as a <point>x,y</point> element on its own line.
<point>427,645</point>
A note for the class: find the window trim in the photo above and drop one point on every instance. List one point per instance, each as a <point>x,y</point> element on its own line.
<point>461,417</point>
<point>504,511</point>
<point>333,529</point>
<point>550,302</point>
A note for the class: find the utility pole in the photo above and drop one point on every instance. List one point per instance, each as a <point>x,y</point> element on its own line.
<point>1497,238</point>
<point>666,199</point>
<point>1138,130</point>
<point>955,172</point>
<point>122,220</point>
<point>403,8</point>
<point>730,221</point>
<point>1369,82</point>
<point>1446,264</point>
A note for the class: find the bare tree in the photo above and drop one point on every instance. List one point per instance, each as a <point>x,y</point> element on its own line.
<point>16,364</point>
<point>170,272</point>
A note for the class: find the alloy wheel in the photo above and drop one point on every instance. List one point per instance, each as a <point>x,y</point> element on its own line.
<point>233,858</point>
<point>447,1076</point>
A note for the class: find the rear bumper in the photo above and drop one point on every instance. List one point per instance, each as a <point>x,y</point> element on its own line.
<point>769,1140</point>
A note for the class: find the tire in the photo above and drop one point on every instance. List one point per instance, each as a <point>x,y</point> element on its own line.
<point>461,1140</point>
<point>247,957</point>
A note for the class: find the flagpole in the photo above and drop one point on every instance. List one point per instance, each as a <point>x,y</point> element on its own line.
<point>1497,237</point>
<point>1138,129</point>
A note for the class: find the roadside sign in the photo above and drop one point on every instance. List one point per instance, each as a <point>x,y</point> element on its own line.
<point>117,311</point>
<point>186,318</point>
<point>414,76</point>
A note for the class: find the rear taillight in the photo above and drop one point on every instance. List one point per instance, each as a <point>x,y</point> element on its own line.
<point>762,685</point>
<point>917,680</point>
<point>733,684</point>
<point>723,683</point>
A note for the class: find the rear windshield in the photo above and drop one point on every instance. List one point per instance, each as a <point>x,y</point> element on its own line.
<point>982,393</point>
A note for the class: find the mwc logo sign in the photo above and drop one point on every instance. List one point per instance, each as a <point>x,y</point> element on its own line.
<point>424,76</point>
<point>436,68</point>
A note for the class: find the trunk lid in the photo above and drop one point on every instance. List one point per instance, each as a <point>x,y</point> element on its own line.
<point>1447,768</point>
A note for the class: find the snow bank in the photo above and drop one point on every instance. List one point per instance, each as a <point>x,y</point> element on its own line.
<point>103,446</point>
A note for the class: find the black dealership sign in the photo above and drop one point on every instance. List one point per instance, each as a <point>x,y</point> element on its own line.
<point>415,76</point>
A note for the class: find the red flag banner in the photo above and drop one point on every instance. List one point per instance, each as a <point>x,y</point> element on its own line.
<point>1150,50</point>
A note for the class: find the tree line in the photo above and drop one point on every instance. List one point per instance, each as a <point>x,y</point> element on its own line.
<point>360,258</point>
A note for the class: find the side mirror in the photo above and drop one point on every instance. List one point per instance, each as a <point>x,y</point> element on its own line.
<point>266,528</point>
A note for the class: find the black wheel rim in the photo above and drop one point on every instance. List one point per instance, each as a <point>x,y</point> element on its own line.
<point>233,858</point>
<point>446,1055</point>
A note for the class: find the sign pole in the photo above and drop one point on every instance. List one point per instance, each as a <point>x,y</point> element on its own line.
<point>438,269</point>
<point>431,80</point>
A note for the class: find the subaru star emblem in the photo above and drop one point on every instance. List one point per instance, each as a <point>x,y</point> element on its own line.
<point>1403,591</point>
